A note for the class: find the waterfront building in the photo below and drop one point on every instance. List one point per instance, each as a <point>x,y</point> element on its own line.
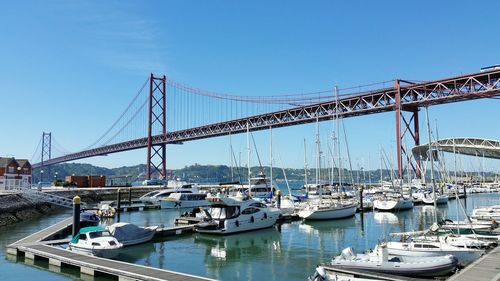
<point>14,173</point>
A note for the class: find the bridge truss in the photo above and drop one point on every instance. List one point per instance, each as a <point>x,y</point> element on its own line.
<point>405,98</point>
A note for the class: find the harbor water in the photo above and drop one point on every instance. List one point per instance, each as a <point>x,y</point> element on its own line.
<point>288,251</point>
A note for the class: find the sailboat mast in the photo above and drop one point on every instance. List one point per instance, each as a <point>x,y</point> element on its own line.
<point>231,156</point>
<point>305,165</point>
<point>317,152</point>
<point>432,163</point>
<point>248,157</point>
<point>271,155</point>
<point>338,135</point>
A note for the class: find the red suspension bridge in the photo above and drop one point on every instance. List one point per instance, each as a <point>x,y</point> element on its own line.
<point>192,114</point>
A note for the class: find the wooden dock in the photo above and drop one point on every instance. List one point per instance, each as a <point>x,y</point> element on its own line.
<point>41,245</point>
<point>486,268</point>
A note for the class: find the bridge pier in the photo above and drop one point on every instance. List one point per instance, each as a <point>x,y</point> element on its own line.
<point>156,155</point>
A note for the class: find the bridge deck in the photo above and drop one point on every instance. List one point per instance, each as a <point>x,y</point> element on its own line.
<point>484,269</point>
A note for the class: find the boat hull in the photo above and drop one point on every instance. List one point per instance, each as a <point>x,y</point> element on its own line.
<point>328,214</point>
<point>392,205</point>
<point>464,256</point>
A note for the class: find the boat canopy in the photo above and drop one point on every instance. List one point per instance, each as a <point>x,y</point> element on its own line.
<point>85,230</point>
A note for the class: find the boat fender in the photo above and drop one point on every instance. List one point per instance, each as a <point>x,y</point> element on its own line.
<point>237,223</point>
<point>252,219</point>
<point>265,215</point>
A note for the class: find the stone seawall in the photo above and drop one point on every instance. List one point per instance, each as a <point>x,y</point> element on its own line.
<point>16,207</point>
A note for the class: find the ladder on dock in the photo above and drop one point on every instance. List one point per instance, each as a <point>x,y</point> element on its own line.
<point>36,196</point>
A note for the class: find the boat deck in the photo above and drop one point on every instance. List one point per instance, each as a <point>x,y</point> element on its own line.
<point>370,274</point>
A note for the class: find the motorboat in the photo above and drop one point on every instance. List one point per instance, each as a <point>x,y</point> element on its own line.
<point>89,219</point>
<point>392,202</point>
<point>232,214</point>
<point>322,273</point>
<point>131,234</point>
<point>490,213</point>
<point>95,240</point>
<point>327,210</point>
<point>468,226</point>
<point>259,188</point>
<point>432,248</point>
<point>155,196</point>
<point>380,261</point>
<point>106,211</point>
<point>184,200</point>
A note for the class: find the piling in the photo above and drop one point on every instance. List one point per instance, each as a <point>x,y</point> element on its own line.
<point>465,192</point>
<point>118,200</point>
<point>278,199</point>
<point>130,196</point>
<point>362,209</point>
<point>76,215</point>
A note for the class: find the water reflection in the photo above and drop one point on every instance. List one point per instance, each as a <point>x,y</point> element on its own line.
<point>385,217</point>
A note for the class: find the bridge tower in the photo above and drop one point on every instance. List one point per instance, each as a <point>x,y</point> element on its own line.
<point>156,158</point>
<point>408,117</point>
<point>46,152</point>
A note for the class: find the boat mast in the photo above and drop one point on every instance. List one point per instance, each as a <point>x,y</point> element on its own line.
<point>248,157</point>
<point>338,132</point>
<point>231,156</point>
<point>271,155</point>
<point>317,153</point>
<point>432,163</point>
<point>305,166</point>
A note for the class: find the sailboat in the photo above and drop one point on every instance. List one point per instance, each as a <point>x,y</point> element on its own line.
<point>422,247</point>
<point>320,209</point>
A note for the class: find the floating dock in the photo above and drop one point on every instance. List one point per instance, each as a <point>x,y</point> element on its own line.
<point>41,245</point>
<point>486,268</point>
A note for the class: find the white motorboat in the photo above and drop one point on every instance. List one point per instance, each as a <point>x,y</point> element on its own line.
<point>184,200</point>
<point>131,234</point>
<point>392,202</point>
<point>232,214</point>
<point>155,196</point>
<point>323,274</point>
<point>379,261</point>
<point>95,240</point>
<point>490,213</point>
<point>259,188</point>
<point>468,226</point>
<point>326,210</point>
<point>427,248</point>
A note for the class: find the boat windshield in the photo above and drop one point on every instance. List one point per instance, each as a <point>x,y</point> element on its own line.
<point>224,212</point>
<point>98,234</point>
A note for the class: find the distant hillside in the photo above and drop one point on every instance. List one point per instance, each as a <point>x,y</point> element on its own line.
<point>209,173</point>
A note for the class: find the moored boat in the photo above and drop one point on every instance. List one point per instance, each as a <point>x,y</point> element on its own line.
<point>184,200</point>
<point>232,214</point>
<point>95,240</point>
<point>131,234</point>
<point>380,261</point>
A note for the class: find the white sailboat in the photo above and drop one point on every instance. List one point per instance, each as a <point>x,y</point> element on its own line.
<point>421,247</point>
<point>319,209</point>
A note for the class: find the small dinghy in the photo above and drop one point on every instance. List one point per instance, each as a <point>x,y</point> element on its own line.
<point>88,219</point>
<point>323,274</point>
<point>379,261</point>
<point>96,241</point>
<point>131,234</point>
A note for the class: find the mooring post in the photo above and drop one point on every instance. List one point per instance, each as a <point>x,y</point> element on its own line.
<point>465,192</point>
<point>278,198</point>
<point>76,215</point>
<point>118,200</point>
<point>362,209</point>
<point>130,196</point>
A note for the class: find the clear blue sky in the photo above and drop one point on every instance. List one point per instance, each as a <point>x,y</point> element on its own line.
<point>71,67</point>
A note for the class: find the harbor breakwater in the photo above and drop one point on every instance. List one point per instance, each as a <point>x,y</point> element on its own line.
<point>17,207</point>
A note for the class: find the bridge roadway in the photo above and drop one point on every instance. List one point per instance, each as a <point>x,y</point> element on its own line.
<point>407,97</point>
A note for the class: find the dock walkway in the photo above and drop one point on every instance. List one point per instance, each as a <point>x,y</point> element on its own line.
<point>487,268</point>
<point>42,245</point>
